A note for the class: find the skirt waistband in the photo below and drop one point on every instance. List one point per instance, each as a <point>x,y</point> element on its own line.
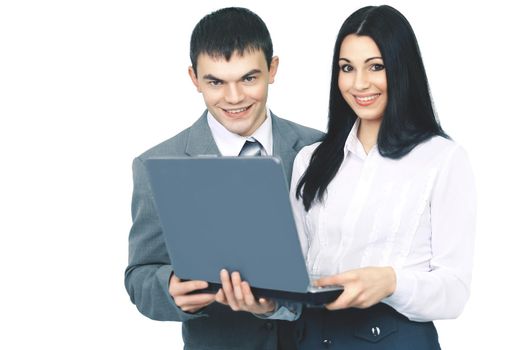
<point>378,327</point>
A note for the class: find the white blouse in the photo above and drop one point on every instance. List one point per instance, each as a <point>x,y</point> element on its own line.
<point>415,214</point>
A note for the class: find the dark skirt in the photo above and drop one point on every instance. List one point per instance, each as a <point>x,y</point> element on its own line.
<point>378,327</point>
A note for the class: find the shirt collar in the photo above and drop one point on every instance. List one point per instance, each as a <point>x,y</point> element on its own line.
<point>353,145</point>
<point>230,144</point>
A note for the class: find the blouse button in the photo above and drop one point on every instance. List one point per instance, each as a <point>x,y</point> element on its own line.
<point>326,343</point>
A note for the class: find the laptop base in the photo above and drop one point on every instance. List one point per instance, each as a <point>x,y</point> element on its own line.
<point>319,298</point>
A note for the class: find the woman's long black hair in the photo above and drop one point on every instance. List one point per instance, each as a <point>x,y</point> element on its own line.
<point>409,117</point>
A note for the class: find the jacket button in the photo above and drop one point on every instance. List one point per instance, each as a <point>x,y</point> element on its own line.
<point>376,331</point>
<point>268,325</point>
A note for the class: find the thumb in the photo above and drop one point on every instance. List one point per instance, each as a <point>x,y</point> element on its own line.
<point>327,281</point>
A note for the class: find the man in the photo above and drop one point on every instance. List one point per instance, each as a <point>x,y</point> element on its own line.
<point>232,65</point>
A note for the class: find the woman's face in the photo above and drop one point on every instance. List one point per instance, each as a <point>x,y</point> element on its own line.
<point>362,77</point>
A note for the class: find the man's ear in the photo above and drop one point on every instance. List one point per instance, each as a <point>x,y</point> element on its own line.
<point>193,77</point>
<point>273,69</point>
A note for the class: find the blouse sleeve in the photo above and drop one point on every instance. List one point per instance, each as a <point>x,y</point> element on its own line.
<point>442,292</point>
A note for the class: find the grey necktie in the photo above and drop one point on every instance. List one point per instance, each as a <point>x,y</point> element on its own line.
<point>251,147</point>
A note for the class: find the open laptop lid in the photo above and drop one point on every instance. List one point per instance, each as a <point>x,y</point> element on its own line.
<point>232,213</point>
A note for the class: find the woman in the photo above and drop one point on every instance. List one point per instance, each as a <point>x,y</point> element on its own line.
<point>385,204</point>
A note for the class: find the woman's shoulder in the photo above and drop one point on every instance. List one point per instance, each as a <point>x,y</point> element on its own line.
<point>306,152</point>
<point>302,159</point>
<point>440,150</point>
<point>440,144</point>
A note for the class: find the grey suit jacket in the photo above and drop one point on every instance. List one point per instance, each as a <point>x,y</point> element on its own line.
<point>148,272</point>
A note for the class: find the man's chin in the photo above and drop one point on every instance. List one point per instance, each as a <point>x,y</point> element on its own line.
<point>236,128</point>
<point>242,126</point>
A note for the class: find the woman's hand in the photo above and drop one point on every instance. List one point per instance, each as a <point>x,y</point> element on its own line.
<point>364,287</point>
<point>238,295</point>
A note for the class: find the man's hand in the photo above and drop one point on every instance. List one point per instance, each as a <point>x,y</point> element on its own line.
<point>364,287</point>
<point>193,302</point>
<point>238,295</point>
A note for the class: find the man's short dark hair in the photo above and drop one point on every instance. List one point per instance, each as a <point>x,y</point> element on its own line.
<point>227,31</point>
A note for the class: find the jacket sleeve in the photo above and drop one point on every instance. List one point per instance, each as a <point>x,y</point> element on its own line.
<point>149,269</point>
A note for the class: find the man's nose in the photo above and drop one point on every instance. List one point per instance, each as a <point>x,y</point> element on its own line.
<point>234,94</point>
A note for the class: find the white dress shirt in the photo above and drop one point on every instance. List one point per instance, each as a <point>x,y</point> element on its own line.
<point>415,214</point>
<point>230,144</point>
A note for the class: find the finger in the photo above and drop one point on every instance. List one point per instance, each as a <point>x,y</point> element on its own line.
<point>345,300</point>
<point>174,279</point>
<point>335,305</point>
<point>195,308</point>
<point>191,310</point>
<point>331,306</point>
<point>227,287</point>
<point>264,302</point>
<point>266,305</point>
<point>194,300</point>
<point>183,288</point>
<point>220,298</point>
<point>228,290</point>
<point>237,290</point>
<point>249,299</point>
<point>327,281</point>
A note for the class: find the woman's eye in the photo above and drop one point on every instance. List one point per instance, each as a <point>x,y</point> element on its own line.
<point>377,67</point>
<point>346,68</point>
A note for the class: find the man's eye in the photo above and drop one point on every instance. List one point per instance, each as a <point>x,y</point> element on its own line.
<point>346,68</point>
<point>249,79</point>
<point>215,82</point>
<point>377,67</point>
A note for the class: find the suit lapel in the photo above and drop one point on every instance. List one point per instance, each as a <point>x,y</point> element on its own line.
<point>285,141</point>
<point>285,144</point>
<point>200,140</point>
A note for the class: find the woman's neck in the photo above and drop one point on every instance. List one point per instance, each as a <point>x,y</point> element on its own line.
<point>367,133</point>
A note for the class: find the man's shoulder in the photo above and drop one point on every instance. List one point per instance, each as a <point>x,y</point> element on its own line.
<point>173,147</point>
<point>305,134</point>
<point>177,146</point>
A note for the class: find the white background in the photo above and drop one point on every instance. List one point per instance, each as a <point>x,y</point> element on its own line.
<point>87,85</point>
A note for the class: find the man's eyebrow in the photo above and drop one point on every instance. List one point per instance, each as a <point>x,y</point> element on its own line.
<point>211,77</point>
<point>252,72</point>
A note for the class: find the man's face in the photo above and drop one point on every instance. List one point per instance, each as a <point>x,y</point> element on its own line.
<point>235,91</point>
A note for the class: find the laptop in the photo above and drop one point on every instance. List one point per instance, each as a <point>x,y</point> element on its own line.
<point>233,213</point>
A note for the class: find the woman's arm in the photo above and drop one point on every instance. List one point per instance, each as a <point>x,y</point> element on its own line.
<point>442,292</point>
